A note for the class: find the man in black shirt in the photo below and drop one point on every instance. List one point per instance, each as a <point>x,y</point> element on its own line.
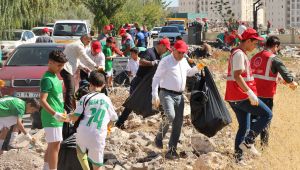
<point>149,59</point>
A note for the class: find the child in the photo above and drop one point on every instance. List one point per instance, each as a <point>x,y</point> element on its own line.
<point>94,111</point>
<point>12,110</point>
<point>133,63</point>
<point>108,60</point>
<point>52,107</point>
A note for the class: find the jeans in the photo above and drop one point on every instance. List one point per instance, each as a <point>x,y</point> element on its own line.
<point>173,105</point>
<point>126,112</point>
<point>243,110</point>
<point>70,90</point>
<point>264,135</point>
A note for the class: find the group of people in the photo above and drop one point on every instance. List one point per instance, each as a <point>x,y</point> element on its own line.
<point>250,88</point>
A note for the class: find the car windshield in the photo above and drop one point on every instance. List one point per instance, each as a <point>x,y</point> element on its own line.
<point>156,29</point>
<point>180,27</point>
<point>11,36</point>
<point>31,56</point>
<point>69,29</point>
<point>169,29</point>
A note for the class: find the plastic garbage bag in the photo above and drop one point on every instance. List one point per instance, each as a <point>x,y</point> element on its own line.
<point>208,110</point>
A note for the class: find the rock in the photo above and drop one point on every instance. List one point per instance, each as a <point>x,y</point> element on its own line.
<point>118,167</point>
<point>127,166</point>
<point>202,144</point>
<point>151,122</point>
<point>212,160</point>
<point>109,167</point>
<point>140,166</point>
<point>141,141</point>
<point>135,123</point>
<point>133,135</point>
<point>188,167</point>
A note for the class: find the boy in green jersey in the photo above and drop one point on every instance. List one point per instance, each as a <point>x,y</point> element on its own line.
<point>12,110</point>
<point>52,107</point>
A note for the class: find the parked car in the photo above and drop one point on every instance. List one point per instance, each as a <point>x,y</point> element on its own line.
<point>154,32</point>
<point>24,69</point>
<point>169,31</point>
<point>68,31</point>
<point>180,27</point>
<point>38,31</point>
<point>12,39</point>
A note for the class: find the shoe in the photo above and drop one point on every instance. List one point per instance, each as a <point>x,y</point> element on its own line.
<point>241,163</point>
<point>158,143</point>
<point>250,148</point>
<point>172,154</point>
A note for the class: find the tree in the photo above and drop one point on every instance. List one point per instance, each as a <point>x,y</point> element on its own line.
<point>25,14</point>
<point>103,10</point>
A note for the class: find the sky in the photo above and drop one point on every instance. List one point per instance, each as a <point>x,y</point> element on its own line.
<point>174,3</point>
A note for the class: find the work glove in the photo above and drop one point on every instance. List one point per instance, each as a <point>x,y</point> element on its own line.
<point>252,97</point>
<point>60,116</point>
<point>155,102</point>
<point>200,66</point>
<point>293,85</point>
<point>155,62</point>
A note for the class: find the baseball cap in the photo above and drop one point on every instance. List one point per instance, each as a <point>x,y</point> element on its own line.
<point>45,30</point>
<point>166,42</point>
<point>122,31</point>
<point>96,46</point>
<point>107,27</point>
<point>250,33</point>
<point>181,46</point>
<point>111,26</point>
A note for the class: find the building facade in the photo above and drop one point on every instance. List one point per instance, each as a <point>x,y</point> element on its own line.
<point>186,6</point>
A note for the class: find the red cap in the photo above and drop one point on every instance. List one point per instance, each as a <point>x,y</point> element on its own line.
<point>107,27</point>
<point>122,32</point>
<point>251,33</point>
<point>111,26</point>
<point>96,46</point>
<point>166,42</point>
<point>45,30</point>
<point>181,46</point>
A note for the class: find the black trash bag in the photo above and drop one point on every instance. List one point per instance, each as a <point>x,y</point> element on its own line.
<point>208,110</point>
<point>67,156</point>
<point>122,79</point>
<point>140,101</point>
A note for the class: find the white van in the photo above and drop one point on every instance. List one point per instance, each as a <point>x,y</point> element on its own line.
<point>67,31</point>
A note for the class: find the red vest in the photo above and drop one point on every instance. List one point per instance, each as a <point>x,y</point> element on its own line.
<point>265,80</point>
<point>233,90</point>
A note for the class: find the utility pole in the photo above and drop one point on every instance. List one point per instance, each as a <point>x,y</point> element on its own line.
<point>256,7</point>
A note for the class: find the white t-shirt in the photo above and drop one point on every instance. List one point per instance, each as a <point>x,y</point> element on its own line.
<point>97,113</point>
<point>133,66</point>
<point>99,59</point>
<point>238,61</point>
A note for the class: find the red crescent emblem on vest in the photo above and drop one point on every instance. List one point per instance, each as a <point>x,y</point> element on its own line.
<point>257,61</point>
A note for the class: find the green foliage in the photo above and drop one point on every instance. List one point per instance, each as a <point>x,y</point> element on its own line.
<point>25,14</point>
<point>147,12</point>
<point>103,10</point>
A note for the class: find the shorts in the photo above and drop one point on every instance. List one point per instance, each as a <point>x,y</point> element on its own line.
<point>109,73</point>
<point>92,142</point>
<point>53,134</point>
<point>8,121</point>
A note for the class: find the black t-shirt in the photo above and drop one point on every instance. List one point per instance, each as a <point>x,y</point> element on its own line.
<point>150,55</point>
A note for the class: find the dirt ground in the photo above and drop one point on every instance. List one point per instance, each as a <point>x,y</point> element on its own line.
<point>284,145</point>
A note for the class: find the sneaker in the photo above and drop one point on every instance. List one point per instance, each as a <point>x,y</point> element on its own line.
<point>158,143</point>
<point>250,148</point>
<point>241,163</point>
<point>172,154</point>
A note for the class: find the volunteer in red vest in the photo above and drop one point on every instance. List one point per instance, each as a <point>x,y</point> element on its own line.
<point>266,66</point>
<point>241,95</point>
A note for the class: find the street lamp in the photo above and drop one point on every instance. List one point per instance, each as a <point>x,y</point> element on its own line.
<point>256,7</point>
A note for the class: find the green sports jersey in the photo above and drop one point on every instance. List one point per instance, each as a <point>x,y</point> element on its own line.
<point>108,53</point>
<point>51,84</point>
<point>11,106</point>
